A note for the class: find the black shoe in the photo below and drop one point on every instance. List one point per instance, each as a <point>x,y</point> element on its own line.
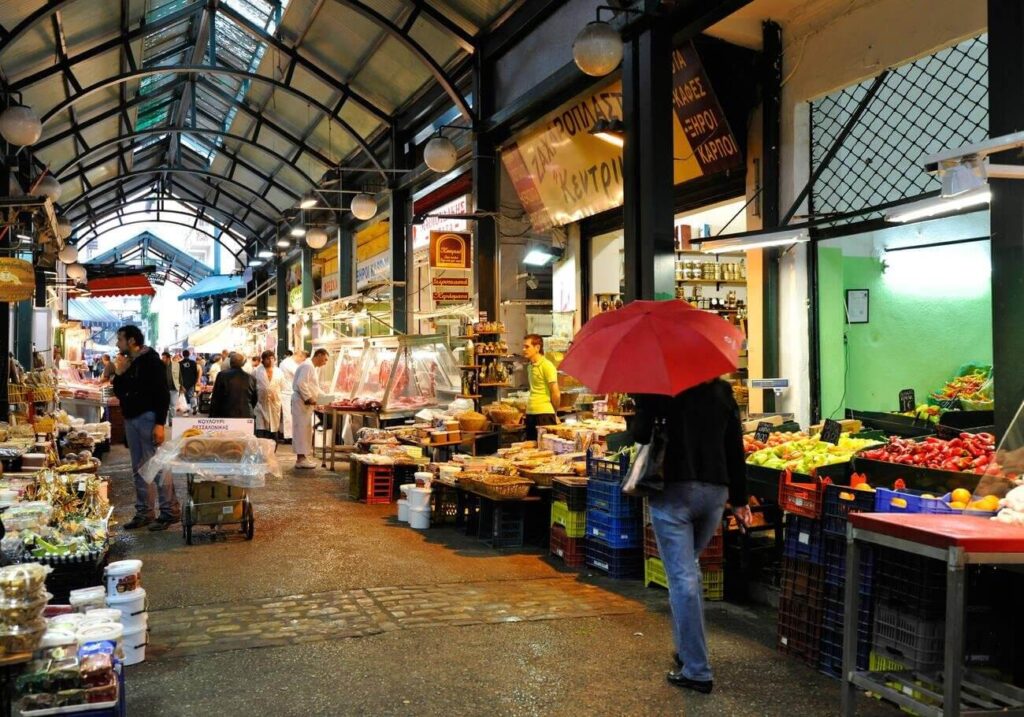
<point>677,679</point>
<point>162,524</point>
<point>137,522</point>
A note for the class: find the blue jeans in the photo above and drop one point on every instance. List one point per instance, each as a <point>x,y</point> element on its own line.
<point>190,397</point>
<point>685,517</point>
<point>139,432</point>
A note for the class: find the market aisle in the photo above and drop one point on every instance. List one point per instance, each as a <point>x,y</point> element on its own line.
<point>334,610</point>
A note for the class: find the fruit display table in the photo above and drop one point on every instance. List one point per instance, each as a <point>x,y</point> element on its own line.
<point>959,541</point>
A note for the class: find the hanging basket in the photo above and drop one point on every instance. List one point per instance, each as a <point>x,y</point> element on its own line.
<point>17,280</point>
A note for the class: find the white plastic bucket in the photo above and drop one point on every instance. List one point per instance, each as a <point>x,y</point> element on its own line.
<point>419,498</point>
<point>106,614</point>
<point>135,646</point>
<point>123,576</point>
<point>132,606</point>
<point>406,487</point>
<point>423,478</point>
<point>85,598</point>
<point>102,632</point>
<point>419,518</point>
<point>403,510</point>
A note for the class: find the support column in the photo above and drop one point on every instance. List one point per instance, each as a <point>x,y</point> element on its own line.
<point>262,297</point>
<point>1005,116</point>
<point>399,229</point>
<point>346,262</point>
<point>770,199</point>
<point>307,296</point>
<point>486,196</point>
<point>6,169</point>
<point>647,166</point>
<point>216,308</point>
<point>23,344</point>
<point>281,292</point>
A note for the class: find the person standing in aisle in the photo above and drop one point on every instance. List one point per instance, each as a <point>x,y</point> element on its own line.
<point>107,374</point>
<point>189,372</point>
<point>704,467</point>
<point>234,394</point>
<point>289,363</point>
<point>544,393</point>
<point>269,385</point>
<point>215,367</point>
<point>140,384</point>
<point>173,379</point>
<point>305,391</point>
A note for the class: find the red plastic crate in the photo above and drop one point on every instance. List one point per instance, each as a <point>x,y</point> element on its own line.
<point>379,481</point>
<point>570,550</point>
<point>650,543</point>
<point>804,498</point>
<point>799,632</point>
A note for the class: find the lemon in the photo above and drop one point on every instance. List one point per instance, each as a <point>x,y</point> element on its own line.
<point>957,505</point>
<point>899,503</point>
<point>863,486</point>
<point>961,495</point>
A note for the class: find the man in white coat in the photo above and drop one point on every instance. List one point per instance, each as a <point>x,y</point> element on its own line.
<point>269,385</point>
<point>288,364</point>
<point>305,391</point>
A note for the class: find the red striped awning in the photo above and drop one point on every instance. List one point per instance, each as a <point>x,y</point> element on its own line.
<point>131,285</point>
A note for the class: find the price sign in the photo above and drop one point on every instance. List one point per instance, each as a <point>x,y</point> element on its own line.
<point>764,429</point>
<point>950,404</point>
<point>831,431</point>
<point>908,400</point>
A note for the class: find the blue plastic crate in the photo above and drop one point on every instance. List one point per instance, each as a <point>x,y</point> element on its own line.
<point>803,539</point>
<point>615,531</point>
<point>608,497</point>
<point>603,469</point>
<point>835,566</point>
<point>830,657</point>
<point>840,501</point>
<point>617,562</point>
<point>892,501</point>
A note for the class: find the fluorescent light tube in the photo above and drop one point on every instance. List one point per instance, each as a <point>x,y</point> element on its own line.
<point>538,257</point>
<point>265,254</point>
<point>939,205</point>
<point>755,241</point>
<point>298,232</point>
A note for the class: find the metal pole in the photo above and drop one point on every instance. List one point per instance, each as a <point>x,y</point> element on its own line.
<point>307,296</point>
<point>771,163</point>
<point>281,292</point>
<point>486,196</point>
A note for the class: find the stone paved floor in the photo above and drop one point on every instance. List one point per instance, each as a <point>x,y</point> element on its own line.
<point>335,609</point>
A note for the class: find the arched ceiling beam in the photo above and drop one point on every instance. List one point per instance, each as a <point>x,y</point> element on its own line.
<point>403,37</point>
<point>170,20</point>
<point>95,226</point>
<point>122,223</point>
<point>233,157</point>
<point>201,70</point>
<point>169,170</point>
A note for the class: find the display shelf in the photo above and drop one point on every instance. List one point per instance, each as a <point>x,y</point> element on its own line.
<point>470,395</point>
<point>495,385</point>
<point>725,282</point>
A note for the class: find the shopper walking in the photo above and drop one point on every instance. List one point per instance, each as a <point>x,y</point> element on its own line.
<point>544,394</point>
<point>215,368</point>
<point>189,372</point>
<point>269,385</point>
<point>704,466</point>
<point>173,378</point>
<point>234,394</point>
<point>289,364</point>
<point>305,391</point>
<point>140,384</point>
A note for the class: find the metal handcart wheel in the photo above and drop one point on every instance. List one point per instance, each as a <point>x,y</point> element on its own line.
<point>187,521</point>
<point>248,521</point>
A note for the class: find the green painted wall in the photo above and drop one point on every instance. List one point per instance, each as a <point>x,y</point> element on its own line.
<point>930,312</point>
<point>831,322</point>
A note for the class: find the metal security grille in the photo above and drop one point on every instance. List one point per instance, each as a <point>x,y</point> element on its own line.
<point>922,107</point>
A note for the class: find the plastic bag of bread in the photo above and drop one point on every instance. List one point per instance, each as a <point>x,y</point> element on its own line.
<point>238,459</point>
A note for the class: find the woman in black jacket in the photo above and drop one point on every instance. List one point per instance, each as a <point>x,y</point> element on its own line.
<point>704,466</point>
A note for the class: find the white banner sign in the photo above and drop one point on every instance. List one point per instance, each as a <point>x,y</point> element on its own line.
<point>212,425</point>
<point>438,223</point>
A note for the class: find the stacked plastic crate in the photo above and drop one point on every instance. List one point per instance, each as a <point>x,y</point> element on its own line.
<point>614,539</point>
<point>801,602</point>
<point>712,562</point>
<point>568,520</point>
<point>839,502</point>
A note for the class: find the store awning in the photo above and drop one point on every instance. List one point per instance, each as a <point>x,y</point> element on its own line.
<point>216,285</point>
<point>131,285</point>
<point>92,313</point>
<point>215,337</point>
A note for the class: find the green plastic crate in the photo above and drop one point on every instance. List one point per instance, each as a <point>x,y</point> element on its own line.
<point>574,521</point>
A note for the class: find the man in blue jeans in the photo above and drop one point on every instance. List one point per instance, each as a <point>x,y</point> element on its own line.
<point>140,384</point>
<point>704,467</point>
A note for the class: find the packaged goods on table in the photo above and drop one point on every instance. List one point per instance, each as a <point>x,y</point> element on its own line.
<point>66,677</point>
<point>238,459</point>
<point>22,601</point>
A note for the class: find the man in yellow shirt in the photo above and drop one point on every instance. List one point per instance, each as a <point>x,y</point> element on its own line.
<point>544,394</point>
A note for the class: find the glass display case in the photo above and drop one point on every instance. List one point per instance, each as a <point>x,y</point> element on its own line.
<point>343,366</point>
<point>407,373</point>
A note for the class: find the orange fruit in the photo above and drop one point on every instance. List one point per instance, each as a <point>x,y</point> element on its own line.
<point>961,495</point>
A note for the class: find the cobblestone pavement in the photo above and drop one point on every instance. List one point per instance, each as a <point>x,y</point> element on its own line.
<point>273,622</point>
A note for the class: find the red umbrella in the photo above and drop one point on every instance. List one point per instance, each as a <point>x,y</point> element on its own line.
<point>653,347</point>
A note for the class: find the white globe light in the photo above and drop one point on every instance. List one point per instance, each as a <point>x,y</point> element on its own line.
<point>68,255</point>
<point>597,49</point>
<point>440,154</point>
<point>363,206</point>
<point>20,126</point>
<point>316,238</point>
<point>49,187</point>
<point>76,272</point>
<point>63,227</point>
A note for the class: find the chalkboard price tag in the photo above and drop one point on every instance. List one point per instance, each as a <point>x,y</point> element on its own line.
<point>908,401</point>
<point>950,404</point>
<point>764,429</point>
<point>831,431</point>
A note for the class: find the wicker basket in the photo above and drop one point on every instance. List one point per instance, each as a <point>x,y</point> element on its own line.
<point>472,423</point>
<point>503,487</point>
<point>504,416</point>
